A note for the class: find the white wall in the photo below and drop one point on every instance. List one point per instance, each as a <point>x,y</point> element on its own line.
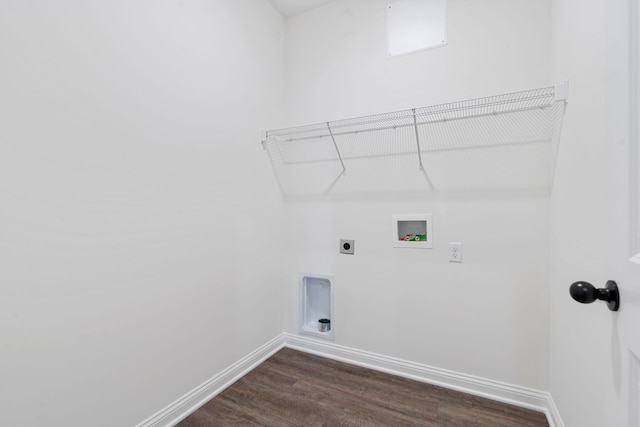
<point>590,229</point>
<point>487,316</point>
<point>578,47</point>
<point>140,243</point>
<point>337,65</point>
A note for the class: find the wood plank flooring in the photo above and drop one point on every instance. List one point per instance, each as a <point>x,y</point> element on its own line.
<point>298,389</point>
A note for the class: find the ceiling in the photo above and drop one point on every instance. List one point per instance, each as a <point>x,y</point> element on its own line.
<point>293,7</point>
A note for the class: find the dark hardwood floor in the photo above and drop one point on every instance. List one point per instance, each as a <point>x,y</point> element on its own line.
<point>298,389</point>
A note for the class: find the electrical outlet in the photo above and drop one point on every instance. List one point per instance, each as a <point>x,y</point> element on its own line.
<point>455,252</point>
<point>347,246</point>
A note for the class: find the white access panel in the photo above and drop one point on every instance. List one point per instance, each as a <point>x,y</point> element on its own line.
<point>415,25</point>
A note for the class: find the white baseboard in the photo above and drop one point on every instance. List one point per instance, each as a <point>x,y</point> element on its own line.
<point>503,392</point>
<point>553,416</point>
<point>187,404</point>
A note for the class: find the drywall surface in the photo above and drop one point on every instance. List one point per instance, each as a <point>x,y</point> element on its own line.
<point>338,67</point>
<point>578,47</point>
<point>487,316</point>
<point>590,234</point>
<point>139,223</point>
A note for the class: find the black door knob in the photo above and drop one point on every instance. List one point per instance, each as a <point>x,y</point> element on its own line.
<point>586,293</point>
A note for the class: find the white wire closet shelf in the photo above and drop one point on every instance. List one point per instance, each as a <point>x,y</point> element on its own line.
<point>505,143</point>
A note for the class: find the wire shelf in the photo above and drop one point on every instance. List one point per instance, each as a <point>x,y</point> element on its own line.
<point>503,142</point>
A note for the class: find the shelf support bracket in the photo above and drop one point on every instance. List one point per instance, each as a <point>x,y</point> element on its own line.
<point>344,170</point>
<point>415,128</point>
<point>263,138</point>
<point>421,167</point>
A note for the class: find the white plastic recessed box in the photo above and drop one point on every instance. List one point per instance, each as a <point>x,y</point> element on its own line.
<point>316,302</point>
<point>412,231</point>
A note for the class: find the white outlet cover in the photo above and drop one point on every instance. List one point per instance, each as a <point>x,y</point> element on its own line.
<point>455,252</point>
